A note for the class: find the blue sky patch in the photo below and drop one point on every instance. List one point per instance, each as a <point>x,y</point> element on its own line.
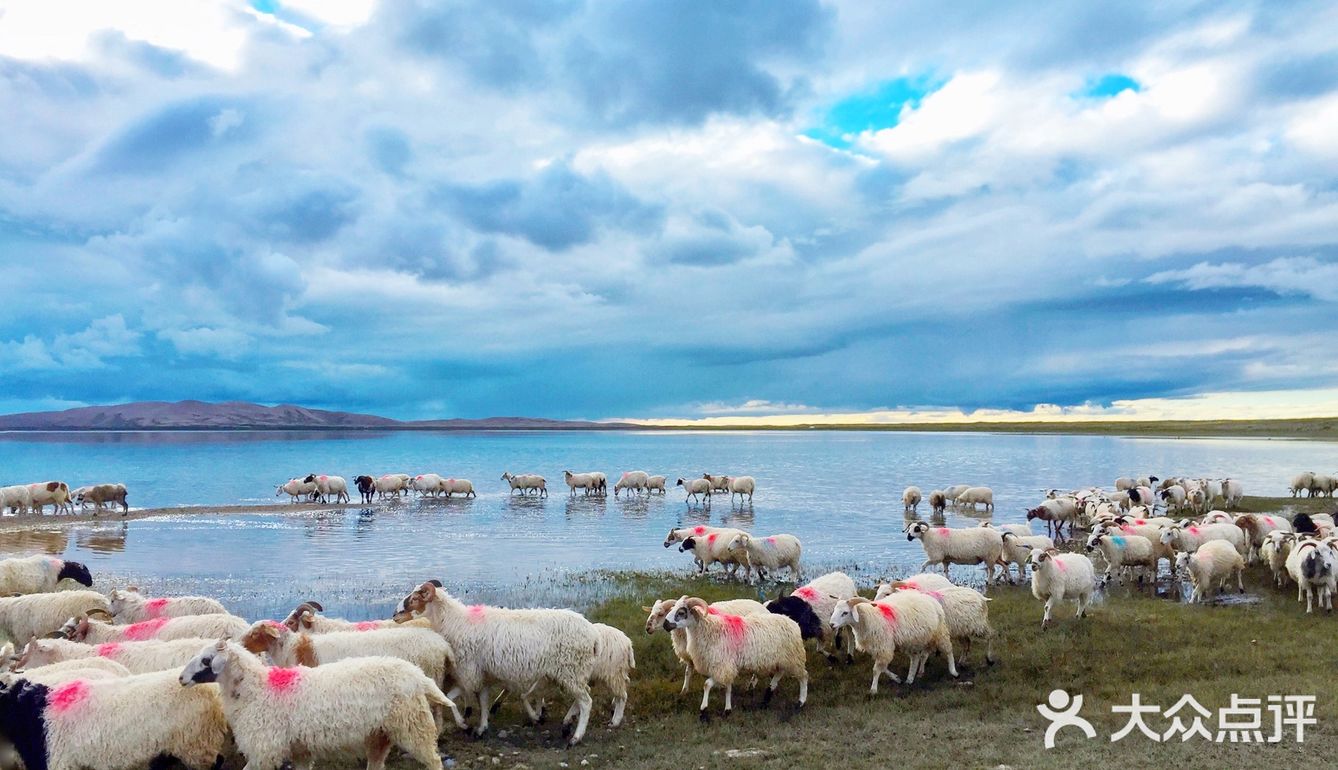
<point>871,110</point>
<point>1110,85</point>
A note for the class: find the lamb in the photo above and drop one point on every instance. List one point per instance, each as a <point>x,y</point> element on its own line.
<point>910,499</point>
<point>1257,527</point>
<point>585,481</point>
<point>85,629</point>
<point>137,657</point>
<point>306,617</point>
<point>23,617</point>
<point>1057,576</point>
<point>101,494</point>
<point>53,493</point>
<point>974,545</point>
<point>1301,483</point>
<point>1311,565</point>
<point>740,485</point>
<point>976,496</point>
<point>39,574</point>
<point>632,481</point>
<point>129,606</point>
<point>656,482</point>
<point>296,489</point>
<point>516,648</point>
<point>697,489</point>
<point>422,647</point>
<point>426,484</point>
<point>329,485</point>
<point>1210,567</point>
<point>967,613</point>
<point>906,620</point>
<point>454,486</point>
<point>526,483</point>
<point>118,723</point>
<point>938,502</point>
<point>15,499</point>
<point>1189,538</point>
<point>1017,550</point>
<point>723,646</point>
<point>364,704</point>
<point>679,638</point>
<point>766,553</point>
<point>1124,552</point>
<point>811,605</point>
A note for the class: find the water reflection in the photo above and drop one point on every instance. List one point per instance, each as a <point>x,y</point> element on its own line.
<point>52,541</point>
<point>103,539</point>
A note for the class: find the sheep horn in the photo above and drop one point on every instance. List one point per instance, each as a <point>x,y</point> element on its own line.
<point>98,611</point>
<point>310,605</point>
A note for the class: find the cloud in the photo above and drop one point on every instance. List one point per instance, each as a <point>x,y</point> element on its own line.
<point>1285,275</point>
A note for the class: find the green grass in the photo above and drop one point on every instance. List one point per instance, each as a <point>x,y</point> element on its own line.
<point>1131,642</point>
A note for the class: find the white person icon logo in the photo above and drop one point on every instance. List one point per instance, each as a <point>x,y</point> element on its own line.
<point>1063,712</point>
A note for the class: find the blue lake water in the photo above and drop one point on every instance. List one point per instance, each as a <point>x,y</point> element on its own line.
<point>838,491</point>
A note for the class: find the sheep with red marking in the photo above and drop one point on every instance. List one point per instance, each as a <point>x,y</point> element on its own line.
<point>967,613</point>
<point>632,481</point>
<point>1210,567</point>
<point>138,657</point>
<point>454,486</point>
<point>66,670</point>
<point>307,617</point>
<point>1190,537</point>
<point>708,545</point>
<point>218,626</point>
<point>391,485</point>
<point>363,706</point>
<point>811,605</point>
<point>39,574</point>
<point>513,647</point>
<point>973,545</point>
<point>128,605</point>
<point>113,724</point>
<point>909,621</point>
<point>723,646</point>
<point>422,647</point>
<point>772,552</point>
<point>23,617</point>
<point>296,489</point>
<point>678,638</point>
<point>1257,527</point>
<point>924,581</point>
<point>1056,577</point>
<point>329,486</point>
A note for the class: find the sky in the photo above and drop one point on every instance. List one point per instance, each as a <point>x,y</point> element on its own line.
<point>672,210</point>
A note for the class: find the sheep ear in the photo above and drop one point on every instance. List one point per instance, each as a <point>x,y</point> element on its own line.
<point>221,645</point>
<point>435,582</point>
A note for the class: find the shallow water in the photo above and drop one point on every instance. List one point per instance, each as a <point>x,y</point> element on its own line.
<point>838,491</point>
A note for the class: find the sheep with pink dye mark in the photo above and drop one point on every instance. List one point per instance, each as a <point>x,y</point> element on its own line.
<point>811,605</point>
<point>907,621</point>
<point>307,617</point>
<point>722,646</point>
<point>128,605</point>
<point>362,706</point>
<point>772,552</point>
<point>632,481</point>
<point>216,626</point>
<point>23,617</point>
<point>1056,577</point>
<point>138,657</point>
<point>658,611</point>
<point>973,545</point>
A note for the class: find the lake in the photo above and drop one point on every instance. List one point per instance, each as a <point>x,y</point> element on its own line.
<point>838,491</point>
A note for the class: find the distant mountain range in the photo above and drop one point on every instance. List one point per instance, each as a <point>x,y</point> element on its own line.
<point>241,415</point>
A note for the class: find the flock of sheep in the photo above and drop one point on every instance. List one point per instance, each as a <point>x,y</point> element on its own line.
<point>324,488</point>
<point>181,676</point>
<point>34,498</point>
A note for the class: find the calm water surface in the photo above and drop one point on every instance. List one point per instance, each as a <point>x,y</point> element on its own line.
<point>838,491</point>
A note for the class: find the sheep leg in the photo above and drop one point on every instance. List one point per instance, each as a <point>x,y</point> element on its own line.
<point>483,711</point>
<point>581,692</point>
<point>1083,601</point>
<point>619,704</point>
<point>729,698</point>
<point>1240,580</point>
<point>378,748</point>
<point>687,678</point>
<point>915,666</point>
<point>706,699</point>
<point>1049,607</point>
<point>945,647</point>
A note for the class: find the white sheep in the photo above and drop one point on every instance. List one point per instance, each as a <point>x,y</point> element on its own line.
<point>766,553</point>
<point>1057,576</point>
<point>128,605</point>
<point>1323,485</point>
<point>1257,527</point>
<point>1314,568</point>
<point>216,626</point>
<point>656,482</point>
<point>1124,552</point>
<point>1301,483</point>
<point>454,486</point>
<point>67,670</point>
<point>722,646</point>
<point>1189,538</point>
<point>967,613</point>
<point>391,484</point>
<point>1017,550</point>
<point>632,481</point>
<point>953,491</point>
<point>426,484</point>
<point>16,499</point>
<point>1232,493</point>
<point>909,621</point>
<point>585,481</point>
<point>422,647</point>
<point>1210,567</point>
<point>39,574</point>
<point>526,483</point>
<point>23,617</point>
<point>137,657</point>
<point>938,502</point>
<point>1056,512</point>
<point>718,483</point>
<point>1151,530</point>
<point>307,618</point>
<point>364,705</point>
<point>657,612</point>
<point>613,671</point>
<point>517,648</point>
<point>974,496</point>
<point>114,723</point>
<point>910,499</point>
<point>1274,551</point>
<point>973,545</point>
<point>296,489</point>
<point>925,581</point>
<point>329,486</point>
<point>741,485</point>
<point>697,489</point>
<point>713,547</point>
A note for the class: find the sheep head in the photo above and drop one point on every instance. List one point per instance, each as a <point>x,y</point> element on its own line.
<point>417,601</point>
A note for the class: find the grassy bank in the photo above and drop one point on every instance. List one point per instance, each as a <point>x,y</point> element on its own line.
<point>1132,642</point>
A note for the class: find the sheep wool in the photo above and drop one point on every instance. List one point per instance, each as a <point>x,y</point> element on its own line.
<point>130,606</point>
<point>911,621</point>
<point>39,574</point>
<point>1210,567</point>
<point>23,617</point>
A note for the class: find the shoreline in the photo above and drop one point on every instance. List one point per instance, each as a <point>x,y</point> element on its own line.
<point>33,522</point>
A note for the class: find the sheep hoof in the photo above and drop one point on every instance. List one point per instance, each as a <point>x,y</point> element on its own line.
<point>766,697</point>
<point>543,713</point>
<point>831,659</point>
<point>989,660</point>
<point>498,705</point>
<point>704,716</point>
<point>850,659</point>
<point>469,711</point>
<point>726,713</point>
<point>566,730</point>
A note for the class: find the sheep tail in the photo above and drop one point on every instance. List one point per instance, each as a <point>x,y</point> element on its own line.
<point>437,697</point>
